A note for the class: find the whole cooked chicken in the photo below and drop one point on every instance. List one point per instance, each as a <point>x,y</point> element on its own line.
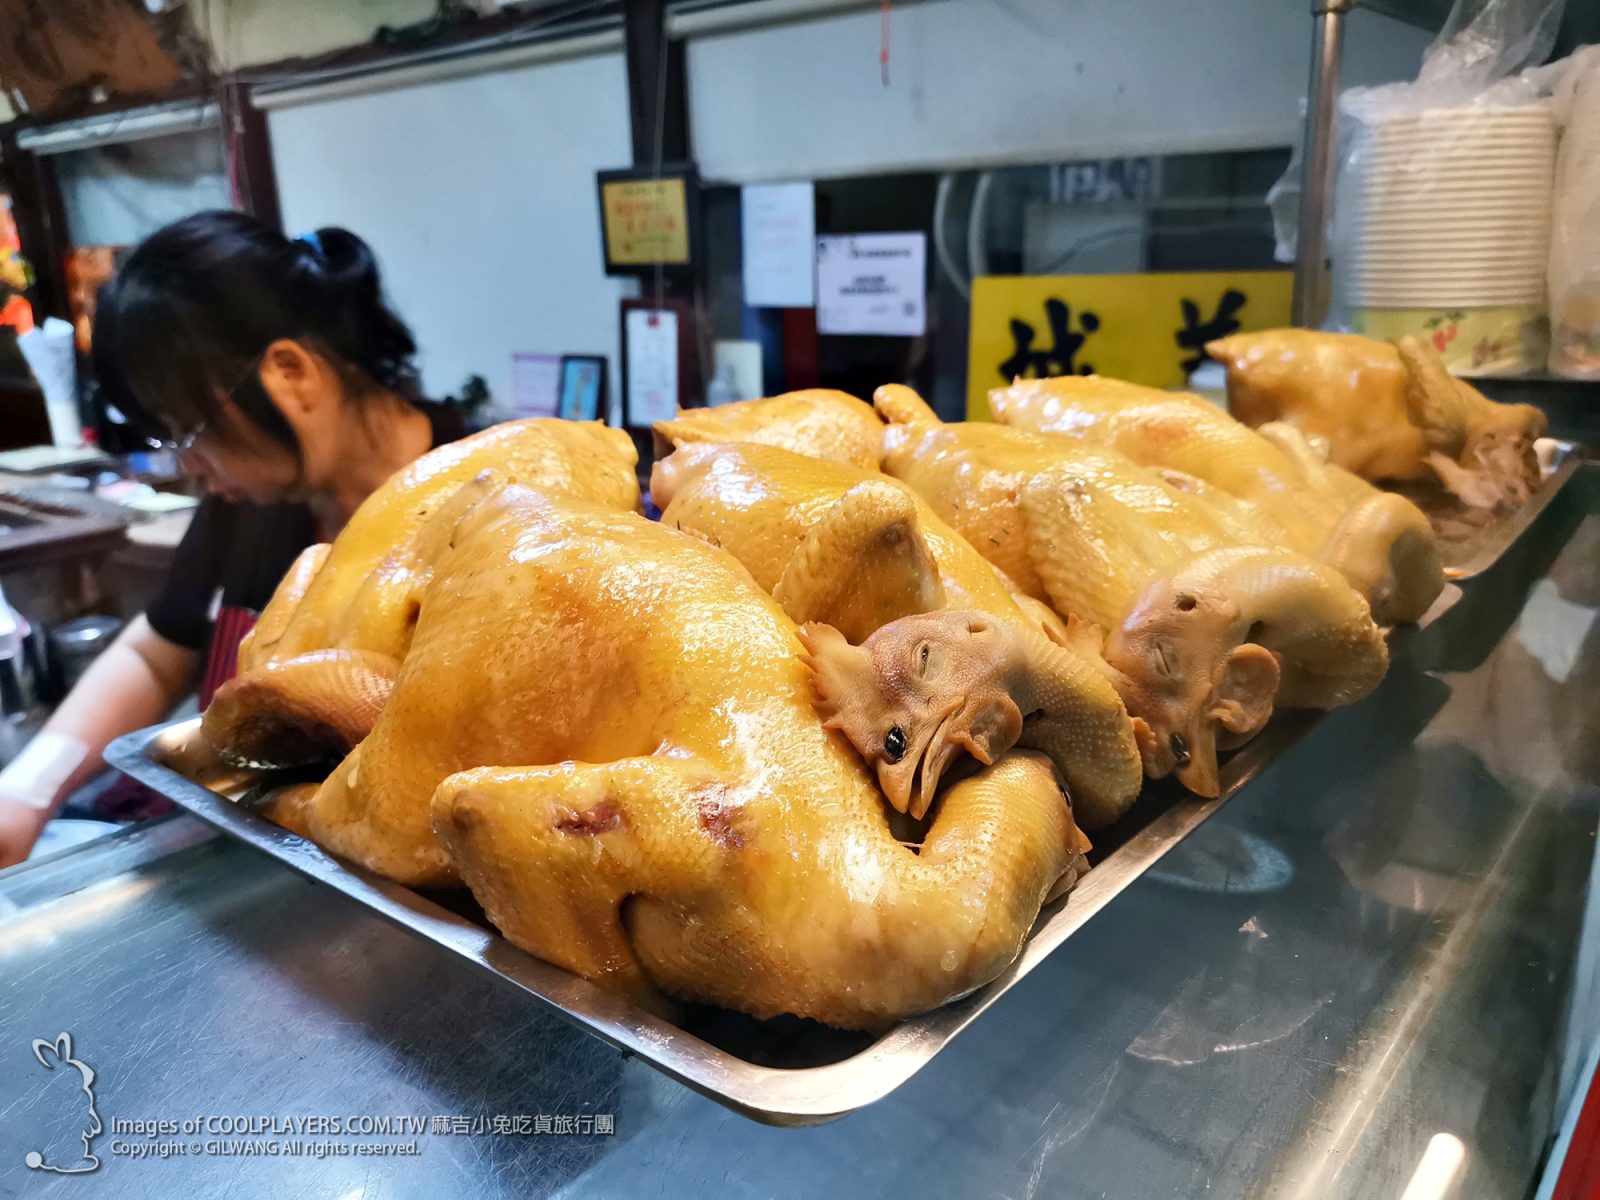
<point>1380,542</point>
<point>605,728</point>
<point>1112,543</point>
<point>856,550</point>
<point>817,421</point>
<point>339,623</point>
<point>1386,411</point>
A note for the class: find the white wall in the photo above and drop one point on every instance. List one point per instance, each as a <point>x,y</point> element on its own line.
<point>979,82</point>
<point>478,195</point>
<point>478,192</point>
<point>246,32</point>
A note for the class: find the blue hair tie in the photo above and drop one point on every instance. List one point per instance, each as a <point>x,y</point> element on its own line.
<point>312,240</point>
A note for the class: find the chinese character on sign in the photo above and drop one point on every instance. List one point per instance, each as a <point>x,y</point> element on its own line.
<point>604,1123</point>
<point>522,1123</point>
<point>1196,333</point>
<point>585,1122</point>
<point>541,1123</point>
<point>460,1124</point>
<point>565,1125</point>
<point>441,1125</point>
<point>1061,357</point>
<point>502,1124</point>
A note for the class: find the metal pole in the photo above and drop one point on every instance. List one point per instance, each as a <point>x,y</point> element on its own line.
<point>1316,184</point>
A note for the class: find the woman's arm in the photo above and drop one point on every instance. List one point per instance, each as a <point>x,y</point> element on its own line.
<point>134,683</point>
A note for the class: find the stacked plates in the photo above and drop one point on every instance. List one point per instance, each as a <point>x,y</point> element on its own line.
<point>1454,209</point>
<point>1452,216</point>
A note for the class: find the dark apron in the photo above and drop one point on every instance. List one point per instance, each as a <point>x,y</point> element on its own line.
<point>126,800</point>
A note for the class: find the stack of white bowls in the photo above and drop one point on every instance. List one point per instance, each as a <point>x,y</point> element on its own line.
<point>1451,233</point>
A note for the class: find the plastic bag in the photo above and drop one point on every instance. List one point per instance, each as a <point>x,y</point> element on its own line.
<point>1485,41</point>
<point>1442,207</point>
<point>1574,272</point>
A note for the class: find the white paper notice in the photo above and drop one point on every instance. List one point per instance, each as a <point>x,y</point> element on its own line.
<point>535,384</point>
<point>872,283</point>
<point>779,230</point>
<point>652,340</point>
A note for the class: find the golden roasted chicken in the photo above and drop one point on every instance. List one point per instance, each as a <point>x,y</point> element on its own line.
<point>604,728</point>
<point>1201,638</point>
<point>1270,479</point>
<point>818,421</point>
<point>856,550</point>
<point>1386,411</point>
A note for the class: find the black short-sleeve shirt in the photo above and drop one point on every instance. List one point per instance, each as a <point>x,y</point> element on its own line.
<point>243,551</point>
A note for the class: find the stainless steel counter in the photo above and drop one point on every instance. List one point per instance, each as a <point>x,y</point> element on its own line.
<point>1373,950</point>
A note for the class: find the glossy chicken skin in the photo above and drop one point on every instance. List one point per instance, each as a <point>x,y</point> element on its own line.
<point>341,620</point>
<point>1100,535</point>
<point>1104,525</point>
<point>1386,411</point>
<point>609,727</point>
<point>817,421</point>
<point>1381,542</point>
<point>856,550</point>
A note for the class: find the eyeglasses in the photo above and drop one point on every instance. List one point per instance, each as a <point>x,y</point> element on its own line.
<point>185,442</point>
<point>181,445</point>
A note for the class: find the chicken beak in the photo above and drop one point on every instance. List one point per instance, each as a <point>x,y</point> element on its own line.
<point>910,784</point>
<point>934,761</point>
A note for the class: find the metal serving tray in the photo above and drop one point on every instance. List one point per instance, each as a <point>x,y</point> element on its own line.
<point>783,1072</point>
<point>1473,550</point>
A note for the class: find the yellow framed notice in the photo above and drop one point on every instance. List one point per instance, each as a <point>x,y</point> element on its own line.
<point>647,222</point>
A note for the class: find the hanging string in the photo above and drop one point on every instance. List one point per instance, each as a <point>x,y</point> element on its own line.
<point>883,49</point>
<point>657,163</point>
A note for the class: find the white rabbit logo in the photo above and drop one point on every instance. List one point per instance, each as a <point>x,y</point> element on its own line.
<point>49,1054</point>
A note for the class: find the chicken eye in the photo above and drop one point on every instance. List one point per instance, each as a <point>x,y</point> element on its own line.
<point>894,744</point>
<point>1163,658</point>
<point>922,658</point>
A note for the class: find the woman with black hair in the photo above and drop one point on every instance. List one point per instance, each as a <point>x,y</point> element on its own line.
<point>285,384</point>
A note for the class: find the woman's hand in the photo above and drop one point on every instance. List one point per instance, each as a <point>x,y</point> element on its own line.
<point>21,822</point>
<point>134,683</point>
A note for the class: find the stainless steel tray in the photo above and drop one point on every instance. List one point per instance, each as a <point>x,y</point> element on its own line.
<point>1470,550</point>
<point>778,1072</point>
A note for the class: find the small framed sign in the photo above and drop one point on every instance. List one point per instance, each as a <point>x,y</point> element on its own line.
<point>583,387</point>
<point>659,367</point>
<point>649,219</point>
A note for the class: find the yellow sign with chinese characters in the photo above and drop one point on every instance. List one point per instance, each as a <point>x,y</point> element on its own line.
<point>647,221</point>
<point>1149,329</point>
